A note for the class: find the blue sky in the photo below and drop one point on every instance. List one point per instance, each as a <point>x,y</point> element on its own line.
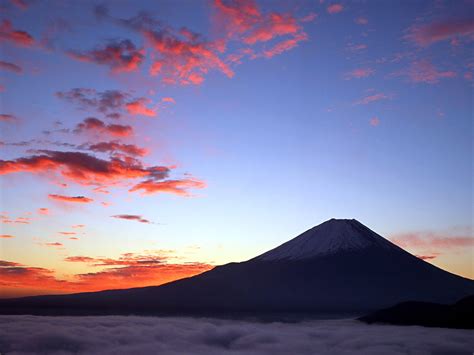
<point>367,115</point>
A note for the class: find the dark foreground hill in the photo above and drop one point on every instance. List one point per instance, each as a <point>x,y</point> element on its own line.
<point>339,266</point>
<point>457,315</point>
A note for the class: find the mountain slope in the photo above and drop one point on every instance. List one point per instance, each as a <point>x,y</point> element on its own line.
<point>338,266</point>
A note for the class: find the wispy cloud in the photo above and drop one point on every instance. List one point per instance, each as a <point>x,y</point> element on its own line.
<point>132,217</point>
<point>76,199</point>
<point>334,8</point>
<point>10,67</point>
<point>436,31</point>
<point>359,73</point>
<point>120,56</point>
<point>372,98</point>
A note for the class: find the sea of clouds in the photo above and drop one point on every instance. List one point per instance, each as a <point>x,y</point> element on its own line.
<point>154,335</point>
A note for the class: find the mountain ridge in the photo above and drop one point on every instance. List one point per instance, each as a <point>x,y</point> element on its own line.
<point>372,275</point>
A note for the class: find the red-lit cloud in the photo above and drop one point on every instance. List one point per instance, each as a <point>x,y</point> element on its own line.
<point>6,236</point>
<point>130,270</point>
<point>182,57</point>
<point>359,73</point>
<point>85,169</point>
<point>243,21</point>
<point>94,125</point>
<point>10,67</point>
<point>427,34</point>
<point>68,233</point>
<point>8,118</point>
<point>76,199</point>
<point>177,187</point>
<point>120,56</point>
<point>168,99</point>
<point>131,217</point>
<point>18,37</point>
<point>334,8</point>
<point>117,147</point>
<point>21,4</point>
<point>138,107</point>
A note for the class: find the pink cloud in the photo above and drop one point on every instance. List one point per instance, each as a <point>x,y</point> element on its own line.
<point>18,37</point>
<point>55,244</point>
<point>361,21</point>
<point>433,244</point>
<point>8,118</point>
<point>10,67</point>
<point>76,199</point>
<point>168,99</point>
<point>43,211</point>
<point>374,121</point>
<point>425,35</point>
<point>359,73</point>
<point>334,8</point>
<point>424,71</point>
<point>372,98</point>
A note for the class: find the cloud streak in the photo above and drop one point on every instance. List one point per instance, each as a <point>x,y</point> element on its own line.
<point>10,67</point>
<point>132,217</point>
<point>75,199</point>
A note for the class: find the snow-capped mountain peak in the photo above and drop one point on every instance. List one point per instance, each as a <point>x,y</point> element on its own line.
<point>330,237</point>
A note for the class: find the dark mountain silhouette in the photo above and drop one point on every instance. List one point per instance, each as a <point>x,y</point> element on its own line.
<point>338,266</point>
<point>458,315</point>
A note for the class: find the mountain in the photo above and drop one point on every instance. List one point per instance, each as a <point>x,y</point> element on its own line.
<point>338,266</point>
<point>458,315</point>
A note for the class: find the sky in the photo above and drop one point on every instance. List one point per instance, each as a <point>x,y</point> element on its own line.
<point>145,141</point>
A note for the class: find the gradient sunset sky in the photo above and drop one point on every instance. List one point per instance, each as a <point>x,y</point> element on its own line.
<point>144,141</point>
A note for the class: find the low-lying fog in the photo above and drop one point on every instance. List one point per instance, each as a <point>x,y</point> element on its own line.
<point>150,335</point>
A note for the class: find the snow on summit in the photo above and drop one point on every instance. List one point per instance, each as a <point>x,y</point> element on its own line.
<point>330,237</point>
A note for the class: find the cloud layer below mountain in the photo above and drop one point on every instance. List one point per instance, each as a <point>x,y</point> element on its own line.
<point>150,335</point>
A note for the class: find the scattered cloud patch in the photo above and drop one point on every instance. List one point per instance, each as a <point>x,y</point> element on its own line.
<point>334,8</point>
<point>8,118</point>
<point>424,71</point>
<point>119,56</point>
<point>10,67</point>
<point>44,211</point>
<point>76,199</point>
<point>372,98</point>
<point>131,217</point>
<point>12,35</point>
<point>374,121</point>
<point>359,73</point>
<point>94,125</point>
<point>451,29</point>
